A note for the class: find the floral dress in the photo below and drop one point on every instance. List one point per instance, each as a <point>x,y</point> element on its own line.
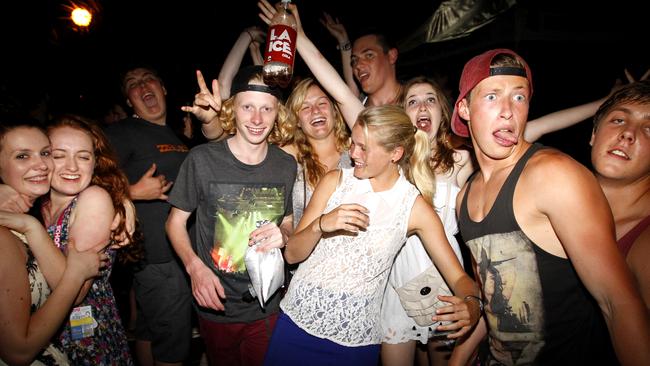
<point>108,344</point>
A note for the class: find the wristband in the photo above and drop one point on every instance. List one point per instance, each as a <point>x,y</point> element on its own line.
<point>319,224</point>
<point>478,299</point>
<point>344,47</point>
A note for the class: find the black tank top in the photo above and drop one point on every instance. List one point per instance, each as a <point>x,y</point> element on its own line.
<point>537,309</point>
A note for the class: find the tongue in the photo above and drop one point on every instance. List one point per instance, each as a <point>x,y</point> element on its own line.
<point>424,126</point>
<point>506,138</point>
<point>150,101</point>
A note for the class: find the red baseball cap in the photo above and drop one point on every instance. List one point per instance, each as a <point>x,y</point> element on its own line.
<point>477,69</point>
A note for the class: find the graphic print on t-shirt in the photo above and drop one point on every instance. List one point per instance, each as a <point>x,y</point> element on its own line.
<point>508,270</point>
<point>239,207</point>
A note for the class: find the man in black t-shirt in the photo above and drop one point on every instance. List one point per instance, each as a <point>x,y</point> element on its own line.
<point>151,154</point>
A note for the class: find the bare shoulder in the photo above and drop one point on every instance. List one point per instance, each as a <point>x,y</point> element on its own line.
<point>553,167</point>
<point>94,193</point>
<point>421,214</point>
<point>11,254</point>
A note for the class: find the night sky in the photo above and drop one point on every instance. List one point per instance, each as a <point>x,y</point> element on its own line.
<point>576,50</point>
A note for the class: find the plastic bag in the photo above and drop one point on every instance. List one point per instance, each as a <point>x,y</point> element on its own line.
<point>266,271</point>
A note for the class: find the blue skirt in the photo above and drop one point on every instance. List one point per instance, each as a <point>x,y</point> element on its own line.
<point>291,345</point>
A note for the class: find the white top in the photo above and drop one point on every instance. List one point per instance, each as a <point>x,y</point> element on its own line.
<point>413,260</point>
<point>337,291</point>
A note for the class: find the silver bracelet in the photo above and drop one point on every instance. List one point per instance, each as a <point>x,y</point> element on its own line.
<point>344,47</point>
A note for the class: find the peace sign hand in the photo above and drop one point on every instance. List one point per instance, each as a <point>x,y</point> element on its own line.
<point>207,104</point>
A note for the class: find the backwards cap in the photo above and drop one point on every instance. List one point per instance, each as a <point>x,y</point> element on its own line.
<point>477,69</point>
<point>241,82</point>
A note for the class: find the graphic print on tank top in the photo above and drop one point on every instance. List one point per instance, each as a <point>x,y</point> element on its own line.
<point>238,210</point>
<point>507,267</point>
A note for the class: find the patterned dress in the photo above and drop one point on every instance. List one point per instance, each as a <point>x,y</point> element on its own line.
<point>108,344</point>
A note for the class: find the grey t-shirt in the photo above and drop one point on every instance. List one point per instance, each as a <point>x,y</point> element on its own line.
<point>229,197</point>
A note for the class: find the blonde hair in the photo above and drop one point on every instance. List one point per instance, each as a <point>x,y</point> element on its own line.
<point>279,132</point>
<point>306,156</point>
<point>391,127</point>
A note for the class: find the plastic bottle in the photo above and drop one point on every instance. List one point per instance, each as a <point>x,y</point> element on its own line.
<point>280,50</point>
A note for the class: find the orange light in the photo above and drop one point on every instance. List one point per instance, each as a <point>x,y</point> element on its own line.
<point>81,17</point>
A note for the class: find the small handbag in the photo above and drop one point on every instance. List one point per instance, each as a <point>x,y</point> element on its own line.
<point>419,296</point>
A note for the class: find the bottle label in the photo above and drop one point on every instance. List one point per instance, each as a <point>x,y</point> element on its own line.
<point>281,44</point>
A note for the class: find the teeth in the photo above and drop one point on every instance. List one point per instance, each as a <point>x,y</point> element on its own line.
<point>40,178</point>
<point>70,176</point>
<point>256,130</point>
<point>318,120</point>
<point>620,153</point>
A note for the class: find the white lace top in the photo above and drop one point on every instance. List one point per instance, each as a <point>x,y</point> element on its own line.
<point>336,292</point>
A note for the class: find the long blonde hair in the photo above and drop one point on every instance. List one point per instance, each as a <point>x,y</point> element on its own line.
<point>391,127</point>
<point>306,156</point>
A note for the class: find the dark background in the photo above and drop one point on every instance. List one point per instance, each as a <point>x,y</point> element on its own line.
<point>576,49</point>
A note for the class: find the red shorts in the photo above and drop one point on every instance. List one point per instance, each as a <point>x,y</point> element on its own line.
<point>237,344</point>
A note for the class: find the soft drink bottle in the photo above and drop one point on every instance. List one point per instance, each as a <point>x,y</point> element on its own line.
<point>280,48</point>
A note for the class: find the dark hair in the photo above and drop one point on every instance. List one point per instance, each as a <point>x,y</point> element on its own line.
<point>131,68</point>
<point>383,39</point>
<point>9,123</point>
<point>633,93</point>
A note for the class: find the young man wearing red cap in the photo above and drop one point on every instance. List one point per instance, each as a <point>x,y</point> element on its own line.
<point>240,189</point>
<point>541,233</point>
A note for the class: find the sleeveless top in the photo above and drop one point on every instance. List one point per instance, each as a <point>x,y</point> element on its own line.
<point>537,310</point>
<point>108,344</point>
<point>625,243</point>
<point>302,191</point>
<point>336,292</point>
<point>39,290</point>
<point>412,260</point>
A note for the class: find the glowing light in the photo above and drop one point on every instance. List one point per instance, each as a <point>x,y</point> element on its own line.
<point>81,17</point>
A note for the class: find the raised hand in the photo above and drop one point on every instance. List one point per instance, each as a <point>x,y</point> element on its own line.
<point>268,11</point>
<point>12,201</point>
<point>151,187</point>
<point>207,103</point>
<point>336,28</point>
<point>348,217</point>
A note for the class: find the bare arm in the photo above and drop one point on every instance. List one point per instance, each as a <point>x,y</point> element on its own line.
<point>466,348</point>
<point>337,30</point>
<point>465,313</point>
<point>314,224</point>
<point>326,75</point>
<point>12,201</point>
<point>559,120</point>
<point>233,60</point>
<point>24,335</point>
<point>464,166</point>
<point>580,217</point>
<point>206,287</point>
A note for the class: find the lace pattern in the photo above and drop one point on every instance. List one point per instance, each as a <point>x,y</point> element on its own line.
<point>336,293</point>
